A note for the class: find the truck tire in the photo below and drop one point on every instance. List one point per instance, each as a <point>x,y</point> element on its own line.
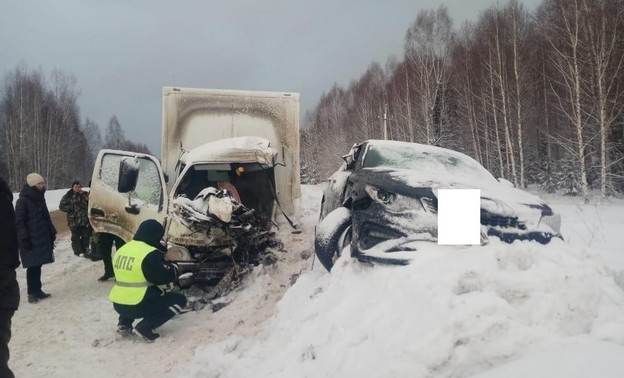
<point>330,234</point>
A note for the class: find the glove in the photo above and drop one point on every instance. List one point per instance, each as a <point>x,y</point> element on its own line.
<point>176,268</point>
<point>184,267</point>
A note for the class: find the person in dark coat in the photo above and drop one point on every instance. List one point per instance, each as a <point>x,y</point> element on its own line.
<point>36,234</point>
<point>75,203</point>
<point>9,288</point>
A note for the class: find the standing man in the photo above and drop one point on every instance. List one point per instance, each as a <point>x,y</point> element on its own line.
<point>104,250</point>
<point>75,203</point>
<point>35,232</point>
<point>9,288</point>
<point>140,267</point>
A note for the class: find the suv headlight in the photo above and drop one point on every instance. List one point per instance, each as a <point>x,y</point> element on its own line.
<point>392,201</point>
<point>379,195</point>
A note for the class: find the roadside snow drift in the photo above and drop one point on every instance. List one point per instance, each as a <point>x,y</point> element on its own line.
<point>452,312</point>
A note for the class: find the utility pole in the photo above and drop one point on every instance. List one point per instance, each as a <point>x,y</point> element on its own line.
<point>385,122</point>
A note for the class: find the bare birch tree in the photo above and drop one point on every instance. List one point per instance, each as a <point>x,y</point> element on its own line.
<point>40,128</point>
<point>464,87</point>
<point>94,137</point>
<point>564,34</point>
<point>603,28</point>
<point>114,137</point>
<point>368,95</point>
<point>519,19</point>
<point>427,48</point>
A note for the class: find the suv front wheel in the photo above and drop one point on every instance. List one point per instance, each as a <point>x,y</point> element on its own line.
<point>333,233</point>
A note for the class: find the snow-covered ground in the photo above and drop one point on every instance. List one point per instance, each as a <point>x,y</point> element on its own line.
<point>496,311</point>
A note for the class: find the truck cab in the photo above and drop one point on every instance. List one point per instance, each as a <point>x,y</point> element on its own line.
<point>230,165</point>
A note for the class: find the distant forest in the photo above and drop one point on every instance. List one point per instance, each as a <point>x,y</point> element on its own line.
<point>535,97</point>
<point>41,130</point>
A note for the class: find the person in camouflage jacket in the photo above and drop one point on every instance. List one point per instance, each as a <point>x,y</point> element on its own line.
<point>75,203</point>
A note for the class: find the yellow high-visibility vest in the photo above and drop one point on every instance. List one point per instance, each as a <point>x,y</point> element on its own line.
<point>130,283</point>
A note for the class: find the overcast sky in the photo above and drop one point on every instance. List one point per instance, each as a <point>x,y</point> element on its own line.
<point>122,52</point>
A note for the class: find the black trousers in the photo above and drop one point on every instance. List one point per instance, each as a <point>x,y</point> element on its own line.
<point>155,312</point>
<point>5,337</point>
<point>80,239</point>
<point>33,279</point>
<point>105,248</point>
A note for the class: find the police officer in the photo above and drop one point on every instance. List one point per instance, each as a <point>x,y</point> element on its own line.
<point>140,267</point>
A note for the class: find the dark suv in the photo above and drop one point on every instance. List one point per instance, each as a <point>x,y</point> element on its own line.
<point>384,199</point>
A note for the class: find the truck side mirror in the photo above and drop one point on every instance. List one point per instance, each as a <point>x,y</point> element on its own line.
<point>128,174</point>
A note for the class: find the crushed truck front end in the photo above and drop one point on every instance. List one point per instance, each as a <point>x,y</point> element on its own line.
<point>239,150</point>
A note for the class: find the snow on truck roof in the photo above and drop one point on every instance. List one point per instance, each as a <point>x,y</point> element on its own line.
<point>229,92</point>
<point>248,149</point>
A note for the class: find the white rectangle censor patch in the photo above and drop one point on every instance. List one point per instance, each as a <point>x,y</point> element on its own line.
<point>459,216</point>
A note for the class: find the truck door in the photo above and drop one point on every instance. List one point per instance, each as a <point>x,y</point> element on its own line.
<point>121,213</point>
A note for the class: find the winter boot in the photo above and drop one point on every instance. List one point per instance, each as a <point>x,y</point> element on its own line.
<point>33,298</point>
<point>124,330</point>
<point>106,277</point>
<point>146,332</point>
<point>42,295</point>
<point>93,256</point>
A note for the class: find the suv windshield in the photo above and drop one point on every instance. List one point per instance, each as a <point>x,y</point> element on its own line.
<point>408,156</point>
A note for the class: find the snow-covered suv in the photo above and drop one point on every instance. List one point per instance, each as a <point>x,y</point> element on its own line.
<point>384,199</point>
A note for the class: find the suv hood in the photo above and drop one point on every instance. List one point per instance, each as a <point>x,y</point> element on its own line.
<point>496,197</point>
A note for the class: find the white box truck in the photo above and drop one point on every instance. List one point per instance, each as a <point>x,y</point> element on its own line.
<point>230,164</point>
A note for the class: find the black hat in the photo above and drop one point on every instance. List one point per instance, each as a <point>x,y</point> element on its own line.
<point>151,232</point>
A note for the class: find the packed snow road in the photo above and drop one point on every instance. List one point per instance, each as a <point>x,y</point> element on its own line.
<point>72,334</point>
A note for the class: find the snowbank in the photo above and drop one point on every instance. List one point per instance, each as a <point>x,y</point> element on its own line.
<point>452,312</point>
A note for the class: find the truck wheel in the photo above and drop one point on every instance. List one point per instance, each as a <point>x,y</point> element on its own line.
<point>332,234</point>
